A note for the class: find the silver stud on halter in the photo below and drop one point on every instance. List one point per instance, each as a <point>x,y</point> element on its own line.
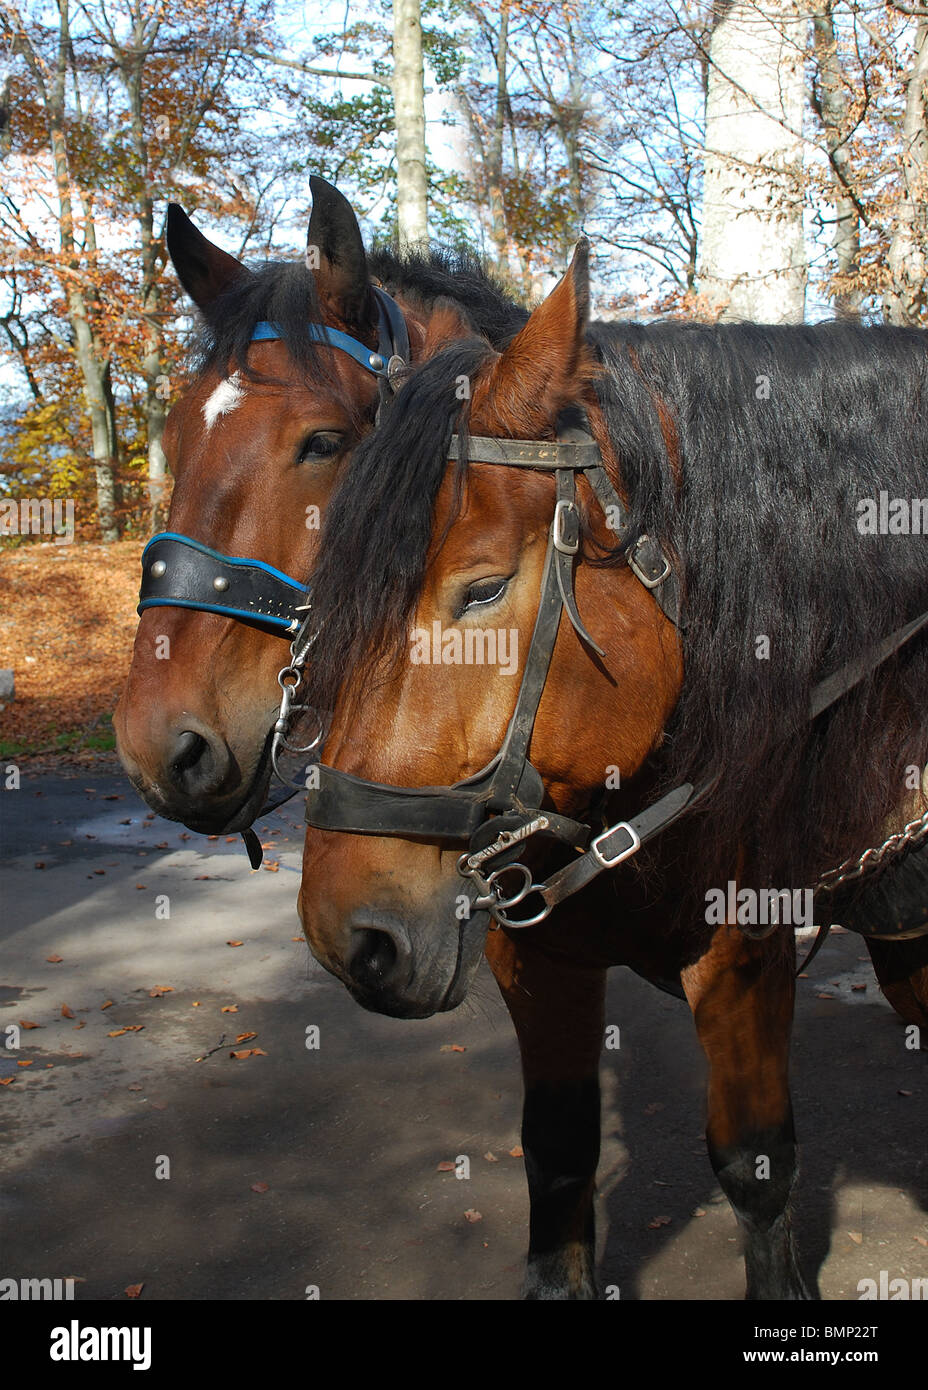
<point>220,584</point>
<point>157,569</point>
<point>376,361</point>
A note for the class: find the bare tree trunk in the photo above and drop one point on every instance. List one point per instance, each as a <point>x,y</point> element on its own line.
<point>153,359</point>
<point>98,396</point>
<point>753,257</point>
<point>409,106</point>
<point>829,98</point>
<point>495,153</point>
<point>905,300</point>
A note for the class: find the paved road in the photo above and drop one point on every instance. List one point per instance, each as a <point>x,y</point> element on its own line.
<point>347,1138</point>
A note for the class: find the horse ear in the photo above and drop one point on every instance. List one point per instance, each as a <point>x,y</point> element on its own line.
<point>547,364</point>
<point>202,268</point>
<point>335,254</point>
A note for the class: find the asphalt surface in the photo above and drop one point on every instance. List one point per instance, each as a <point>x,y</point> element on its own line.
<point>300,1168</point>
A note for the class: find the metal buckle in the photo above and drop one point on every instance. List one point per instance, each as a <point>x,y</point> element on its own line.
<point>639,572</point>
<point>565,507</point>
<point>633,848</point>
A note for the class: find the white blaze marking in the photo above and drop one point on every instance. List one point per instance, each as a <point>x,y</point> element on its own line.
<point>227,395</point>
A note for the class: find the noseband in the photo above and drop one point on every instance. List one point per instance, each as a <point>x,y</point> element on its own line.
<point>179,572</point>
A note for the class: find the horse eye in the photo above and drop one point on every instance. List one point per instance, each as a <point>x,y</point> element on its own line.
<point>487,591</point>
<point>321,445</point>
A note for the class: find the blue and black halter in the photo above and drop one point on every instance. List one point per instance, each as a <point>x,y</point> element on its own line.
<point>180,572</point>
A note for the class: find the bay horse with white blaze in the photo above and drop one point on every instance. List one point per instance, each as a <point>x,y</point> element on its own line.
<point>723,651</point>
<point>283,388</point>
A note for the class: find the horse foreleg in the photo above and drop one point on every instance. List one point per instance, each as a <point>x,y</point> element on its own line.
<point>741,993</point>
<point>902,970</point>
<point>558,1012</point>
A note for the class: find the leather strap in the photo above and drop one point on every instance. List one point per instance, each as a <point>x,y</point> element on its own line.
<point>178,572</point>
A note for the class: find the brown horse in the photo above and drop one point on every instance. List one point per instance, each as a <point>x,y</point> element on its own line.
<point>642,689</point>
<point>255,444</point>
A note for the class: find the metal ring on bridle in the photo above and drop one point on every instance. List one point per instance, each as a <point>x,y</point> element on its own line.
<point>499,915</point>
<point>282,742</point>
<point>523,892</point>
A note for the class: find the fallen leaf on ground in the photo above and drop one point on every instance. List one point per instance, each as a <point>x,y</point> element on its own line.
<point>235,943</point>
<point>658,1221</point>
<point>54,960</point>
<point>445,1167</point>
<point>517,1152</point>
<point>27,1023</point>
<point>135,1086</point>
<point>856,1237</point>
<point>249,1052</point>
<point>471,1215</point>
<point>133,1290</point>
<point>66,1012</point>
<point>229,1009</point>
<point>490,1157</point>
<point>158,990</point>
<point>260,1187</point>
<point>824,995</point>
<point>107,1004</point>
<point>25,1064</point>
<point>245,1037</point>
<point>131,1028</point>
<point>452,1047</point>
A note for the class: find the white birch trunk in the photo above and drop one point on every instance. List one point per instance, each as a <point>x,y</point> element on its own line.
<point>409,106</point>
<point>904,300</point>
<point>753,260</point>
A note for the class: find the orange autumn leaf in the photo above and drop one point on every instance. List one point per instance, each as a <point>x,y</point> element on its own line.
<point>25,1064</point>
<point>159,990</point>
<point>248,1052</point>
<point>66,1012</point>
<point>54,960</point>
<point>235,943</point>
<point>107,1004</point>
<point>27,1023</point>
<point>229,1009</point>
<point>245,1037</point>
<point>133,1290</point>
<point>260,1187</point>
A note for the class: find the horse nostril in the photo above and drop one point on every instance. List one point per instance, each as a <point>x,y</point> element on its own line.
<point>188,750</point>
<point>199,765</point>
<point>373,959</point>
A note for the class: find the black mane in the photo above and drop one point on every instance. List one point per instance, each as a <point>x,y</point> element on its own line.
<point>284,293</point>
<point>781,431</point>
